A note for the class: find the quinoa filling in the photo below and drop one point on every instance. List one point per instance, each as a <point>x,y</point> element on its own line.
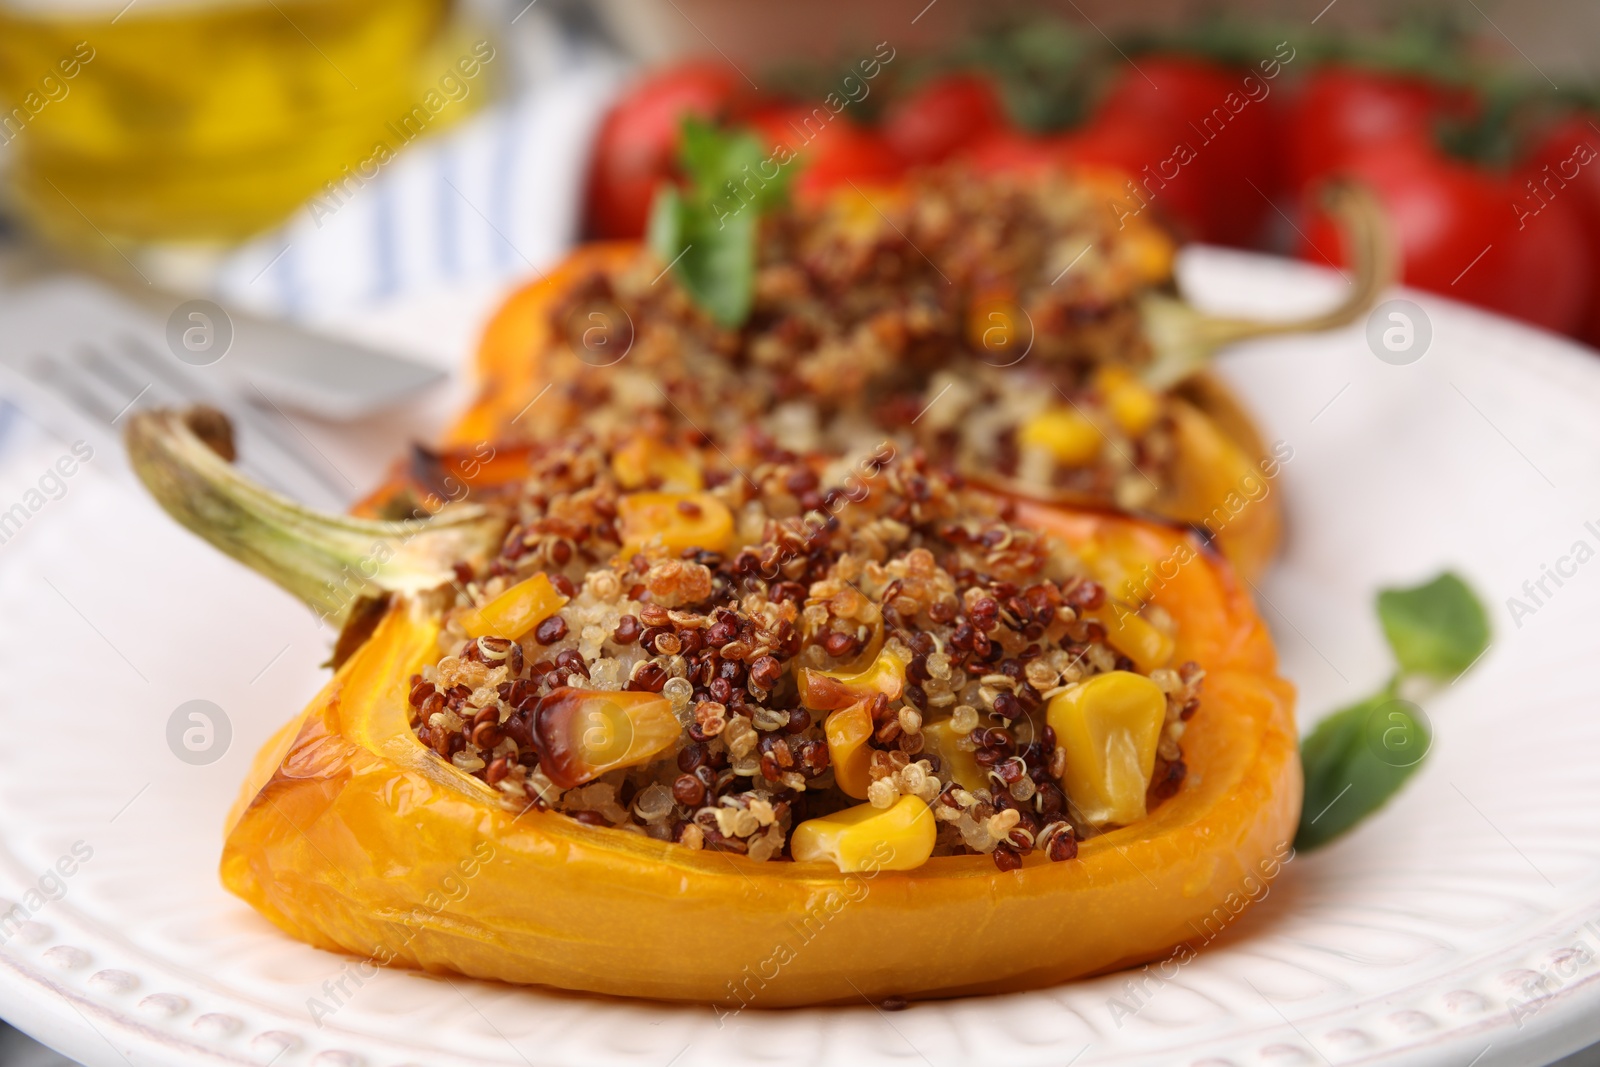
<point>992,321</point>
<point>725,646</point>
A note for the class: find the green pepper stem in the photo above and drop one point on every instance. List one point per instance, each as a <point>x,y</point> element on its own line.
<point>1185,338</point>
<point>330,562</point>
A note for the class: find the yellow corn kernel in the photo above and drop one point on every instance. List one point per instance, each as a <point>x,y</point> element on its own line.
<point>515,611</point>
<point>998,330</point>
<point>583,733</point>
<point>859,215</point>
<point>831,690</point>
<point>1066,434</point>
<point>1122,561</point>
<point>675,521</point>
<point>643,460</point>
<point>956,764</point>
<point>1135,636</point>
<point>1133,406</point>
<point>1150,252</point>
<point>869,651</point>
<point>848,730</point>
<point>865,838</point>
<point>1109,726</point>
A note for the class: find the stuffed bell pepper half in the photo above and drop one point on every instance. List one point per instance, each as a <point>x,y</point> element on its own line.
<point>658,712</point>
<point>1020,328</point>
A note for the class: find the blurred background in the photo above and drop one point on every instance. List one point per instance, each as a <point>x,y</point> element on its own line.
<point>381,172</point>
<point>183,144</point>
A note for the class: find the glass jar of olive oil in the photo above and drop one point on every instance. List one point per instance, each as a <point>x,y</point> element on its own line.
<point>204,121</point>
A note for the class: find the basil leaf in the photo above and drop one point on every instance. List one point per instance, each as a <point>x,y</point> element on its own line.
<point>1437,629</point>
<point>732,167</point>
<point>664,232</point>
<point>708,230</point>
<point>719,269</point>
<point>1355,760</point>
<point>1360,756</point>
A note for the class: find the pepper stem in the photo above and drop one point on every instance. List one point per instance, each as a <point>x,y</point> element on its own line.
<point>1185,338</point>
<point>332,563</point>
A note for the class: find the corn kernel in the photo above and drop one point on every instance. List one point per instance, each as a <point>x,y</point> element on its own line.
<point>998,329</point>
<point>583,733</point>
<point>858,214</point>
<point>956,764</point>
<point>644,460</point>
<point>1133,406</point>
<point>1122,562</point>
<point>848,730</point>
<point>1066,434</point>
<point>515,611</point>
<point>675,521</point>
<point>1135,636</point>
<point>831,690</point>
<point>1108,726</point>
<point>865,838</point>
<point>1150,252</point>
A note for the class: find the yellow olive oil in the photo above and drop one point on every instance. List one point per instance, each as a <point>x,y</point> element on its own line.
<point>207,121</point>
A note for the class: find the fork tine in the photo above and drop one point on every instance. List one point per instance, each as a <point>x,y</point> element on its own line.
<point>152,363</point>
<point>85,351</point>
<point>318,468</point>
<point>255,425</point>
<point>94,363</point>
<point>53,376</point>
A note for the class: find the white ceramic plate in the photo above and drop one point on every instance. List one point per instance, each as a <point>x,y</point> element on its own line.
<point>1460,926</point>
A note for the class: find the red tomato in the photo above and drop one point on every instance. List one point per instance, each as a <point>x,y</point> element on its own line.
<point>1342,110</point>
<point>942,116</point>
<point>1565,166</point>
<point>1010,150</point>
<point>1460,235</point>
<point>1205,131</point>
<point>831,150</point>
<point>635,148</point>
<point>1159,179</point>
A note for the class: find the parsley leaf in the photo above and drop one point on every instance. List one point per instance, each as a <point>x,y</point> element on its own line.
<point>1355,760</point>
<point>1437,629</point>
<point>1359,756</point>
<point>708,228</point>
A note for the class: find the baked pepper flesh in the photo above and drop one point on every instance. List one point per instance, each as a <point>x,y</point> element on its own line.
<point>508,778</point>
<point>1013,326</point>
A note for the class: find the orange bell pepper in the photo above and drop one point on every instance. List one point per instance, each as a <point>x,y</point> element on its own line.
<point>520,331</point>
<point>351,835</point>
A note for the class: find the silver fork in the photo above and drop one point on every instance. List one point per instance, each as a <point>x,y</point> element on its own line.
<point>111,360</point>
<point>101,357</point>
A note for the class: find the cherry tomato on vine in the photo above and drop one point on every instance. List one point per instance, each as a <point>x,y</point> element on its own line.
<point>1206,130</point>
<point>1565,165</point>
<point>943,116</point>
<point>1190,140</point>
<point>1342,110</point>
<point>1011,150</point>
<point>637,143</point>
<point>1461,233</point>
<point>1161,176</point>
<point>830,149</point>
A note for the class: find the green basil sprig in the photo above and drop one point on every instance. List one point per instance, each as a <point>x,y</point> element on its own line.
<point>707,228</point>
<point>1360,756</point>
